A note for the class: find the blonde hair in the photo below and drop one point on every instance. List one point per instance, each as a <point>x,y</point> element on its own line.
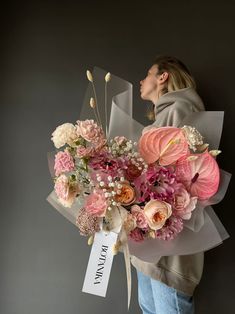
<point>179,77</point>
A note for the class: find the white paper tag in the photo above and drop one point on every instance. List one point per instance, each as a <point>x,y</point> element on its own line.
<point>100,263</point>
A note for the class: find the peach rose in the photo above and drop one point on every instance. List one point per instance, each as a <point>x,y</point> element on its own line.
<point>127,195</point>
<point>156,213</point>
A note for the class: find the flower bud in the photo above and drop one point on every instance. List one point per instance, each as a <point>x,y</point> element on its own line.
<point>116,247</point>
<point>90,240</point>
<point>92,102</point>
<point>214,152</point>
<point>89,76</point>
<point>202,147</point>
<point>107,77</point>
<point>151,234</point>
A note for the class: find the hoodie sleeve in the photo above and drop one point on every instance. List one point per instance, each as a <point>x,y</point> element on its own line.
<point>178,111</point>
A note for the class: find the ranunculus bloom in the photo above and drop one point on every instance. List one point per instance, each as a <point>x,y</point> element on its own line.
<point>96,203</point>
<point>163,144</point>
<point>132,172</point>
<point>138,213</point>
<point>63,162</point>
<point>183,203</point>
<point>89,130</point>
<point>127,195</point>
<point>157,212</point>
<point>66,191</point>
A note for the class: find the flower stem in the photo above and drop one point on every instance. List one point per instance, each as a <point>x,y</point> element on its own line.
<point>105,103</point>
<point>99,120</point>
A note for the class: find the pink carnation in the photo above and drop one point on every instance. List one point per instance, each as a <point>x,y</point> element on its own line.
<point>170,230</point>
<point>96,203</point>
<point>66,191</point>
<point>136,235</point>
<point>138,213</point>
<point>89,130</point>
<point>63,162</point>
<point>183,203</point>
<point>84,151</point>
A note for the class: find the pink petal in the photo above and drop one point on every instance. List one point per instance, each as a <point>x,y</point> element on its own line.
<point>200,176</point>
<point>153,145</point>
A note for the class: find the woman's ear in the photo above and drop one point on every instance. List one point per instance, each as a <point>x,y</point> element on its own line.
<point>163,77</point>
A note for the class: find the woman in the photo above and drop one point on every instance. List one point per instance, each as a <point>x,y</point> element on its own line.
<point>167,287</point>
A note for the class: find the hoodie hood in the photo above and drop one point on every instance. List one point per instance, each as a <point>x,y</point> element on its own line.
<point>185,95</point>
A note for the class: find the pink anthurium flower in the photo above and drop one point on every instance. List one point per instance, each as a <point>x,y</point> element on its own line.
<point>165,145</point>
<point>200,175</point>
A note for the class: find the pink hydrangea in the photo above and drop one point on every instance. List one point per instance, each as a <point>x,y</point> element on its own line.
<point>136,235</point>
<point>156,183</point>
<point>96,203</point>
<point>89,130</point>
<point>63,162</point>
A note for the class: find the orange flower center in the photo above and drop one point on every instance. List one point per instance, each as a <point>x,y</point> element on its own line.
<point>159,217</point>
<point>127,194</point>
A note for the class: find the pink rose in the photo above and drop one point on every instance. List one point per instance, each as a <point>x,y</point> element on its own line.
<point>183,203</point>
<point>89,130</point>
<point>156,213</point>
<point>138,213</point>
<point>96,203</point>
<point>63,163</point>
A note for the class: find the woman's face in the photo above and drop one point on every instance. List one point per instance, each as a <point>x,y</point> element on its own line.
<point>149,85</point>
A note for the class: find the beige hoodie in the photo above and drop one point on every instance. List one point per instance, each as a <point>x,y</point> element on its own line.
<point>182,272</point>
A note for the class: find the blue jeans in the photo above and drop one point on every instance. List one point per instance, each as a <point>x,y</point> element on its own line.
<point>156,297</point>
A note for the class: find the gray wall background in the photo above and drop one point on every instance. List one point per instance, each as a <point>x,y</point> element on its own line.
<point>46,49</point>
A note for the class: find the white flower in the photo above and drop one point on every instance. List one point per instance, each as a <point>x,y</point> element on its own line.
<point>64,134</point>
<point>194,138</point>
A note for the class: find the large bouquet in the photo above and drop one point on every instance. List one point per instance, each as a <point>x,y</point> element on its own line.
<point>150,186</point>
